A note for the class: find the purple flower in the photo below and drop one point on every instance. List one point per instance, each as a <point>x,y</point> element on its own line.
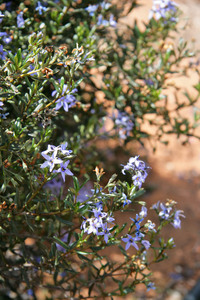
<point>143,212</point>
<point>50,161</point>
<point>125,124</point>
<point>150,226</point>
<point>112,22</point>
<point>20,20</point>
<point>2,53</point>
<point>165,212</point>
<point>7,39</point>
<point>130,241</point>
<point>1,104</point>
<point>163,9</point>
<point>40,8</point>
<point>63,170</point>
<point>101,21</point>
<point>4,116</point>
<point>138,180</point>
<point>66,101</point>
<point>150,286</point>
<point>91,9</point>
<point>146,244</point>
<point>105,232</point>
<point>105,5</point>
<point>125,200</point>
<point>177,222</point>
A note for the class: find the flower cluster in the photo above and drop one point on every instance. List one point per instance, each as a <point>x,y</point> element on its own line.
<point>67,100</point>
<point>138,169</point>
<point>139,236</point>
<point>92,9</point>
<point>53,160</point>
<point>163,9</point>
<point>165,212</point>
<point>124,123</point>
<point>98,225</point>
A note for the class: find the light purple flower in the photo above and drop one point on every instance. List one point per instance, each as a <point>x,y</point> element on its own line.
<point>150,286</point>
<point>146,244</point>
<point>66,101</point>
<point>50,161</point>
<point>125,200</point>
<point>143,212</point>
<point>91,9</point>
<point>40,8</point>
<point>124,123</point>
<point>2,53</point>
<point>105,232</point>
<point>177,222</point>
<point>163,9</point>
<point>63,170</point>
<point>150,226</point>
<point>4,116</point>
<point>165,211</point>
<point>130,241</point>
<point>20,20</point>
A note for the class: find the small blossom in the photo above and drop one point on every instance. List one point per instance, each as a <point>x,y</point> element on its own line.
<point>165,212</point>
<point>125,200</point>
<point>146,244</point>
<point>125,124</point>
<point>40,8</point>
<point>150,286</point>
<point>143,212</point>
<point>130,241</point>
<point>105,232</point>
<point>177,222</point>
<point>2,53</point>
<point>163,9</point>
<point>63,170</point>
<point>4,116</point>
<point>150,226</point>
<point>66,101</point>
<point>20,20</point>
<point>50,161</point>
<point>91,9</point>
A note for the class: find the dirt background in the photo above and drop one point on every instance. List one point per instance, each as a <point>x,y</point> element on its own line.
<point>176,175</point>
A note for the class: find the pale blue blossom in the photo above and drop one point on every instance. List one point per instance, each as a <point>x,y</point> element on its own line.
<point>64,170</point>
<point>51,161</point>
<point>20,20</point>
<point>40,8</point>
<point>131,241</point>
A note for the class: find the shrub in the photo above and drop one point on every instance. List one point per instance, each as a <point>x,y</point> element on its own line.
<point>52,122</point>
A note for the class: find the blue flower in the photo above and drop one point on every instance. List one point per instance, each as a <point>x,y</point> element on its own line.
<point>150,286</point>
<point>63,170</point>
<point>131,241</point>
<point>125,124</point>
<point>163,9</point>
<point>177,222</point>
<point>165,212</point>
<point>146,244</point>
<point>66,101</point>
<point>20,20</point>
<point>40,8</point>
<point>50,161</point>
<point>2,53</point>
<point>125,200</point>
<point>91,9</point>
